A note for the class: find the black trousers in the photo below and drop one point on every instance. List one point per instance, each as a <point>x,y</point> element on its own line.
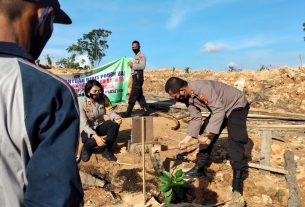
<point>136,93</point>
<point>109,128</point>
<point>238,137</point>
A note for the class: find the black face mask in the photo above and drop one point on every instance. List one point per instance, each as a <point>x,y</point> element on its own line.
<point>42,34</point>
<point>136,51</point>
<point>182,99</point>
<point>97,97</point>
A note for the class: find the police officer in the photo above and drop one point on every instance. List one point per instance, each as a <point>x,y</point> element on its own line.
<point>228,107</point>
<point>138,65</point>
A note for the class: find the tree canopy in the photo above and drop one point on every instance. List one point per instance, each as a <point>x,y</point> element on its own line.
<point>93,44</point>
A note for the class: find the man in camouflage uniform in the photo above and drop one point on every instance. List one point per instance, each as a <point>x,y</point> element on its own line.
<point>138,65</point>
<point>228,107</point>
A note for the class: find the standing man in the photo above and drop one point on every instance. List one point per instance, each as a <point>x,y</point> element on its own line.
<point>137,65</point>
<point>39,118</point>
<point>228,107</point>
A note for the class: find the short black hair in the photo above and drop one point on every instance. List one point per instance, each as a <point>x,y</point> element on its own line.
<point>13,9</point>
<point>90,84</point>
<point>174,84</point>
<point>136,42</point>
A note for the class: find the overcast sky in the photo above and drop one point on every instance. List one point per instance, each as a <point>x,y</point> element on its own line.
<point>199,34</point>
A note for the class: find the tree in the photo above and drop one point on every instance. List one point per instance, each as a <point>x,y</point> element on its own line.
<point>93,44</point>
<point>264,67</point>
<point>187,69</point>
<point>304,29</point>
<point>48,59</point>
<point>232,68</point>
<point>70,62</point>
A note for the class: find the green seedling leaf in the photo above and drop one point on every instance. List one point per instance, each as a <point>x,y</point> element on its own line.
<point>167,174</point>
<point>168,193</point>
<point>164,179</point>
<point>179,173</point>
<point>180,184</point>
<point>164,187</point>
<point>169,199</point>
<point>179,179</point>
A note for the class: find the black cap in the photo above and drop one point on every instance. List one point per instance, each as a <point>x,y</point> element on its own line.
<point>60,16</point>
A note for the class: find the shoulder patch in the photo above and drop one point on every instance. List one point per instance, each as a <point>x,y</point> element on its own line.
<point>108,104</point>
<point>203,99</point>
<point>141,56</point>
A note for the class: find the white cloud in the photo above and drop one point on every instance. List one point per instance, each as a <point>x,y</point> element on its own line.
<point>251,42</point>
<point>182,9</point>
<point>176,18</point>
<point>232,64</point>
<point>212,47</point>
<point>240,44</point>
<point>83,60</point>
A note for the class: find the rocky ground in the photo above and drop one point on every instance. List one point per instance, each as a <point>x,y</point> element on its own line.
<point>277,90</point>
<point>123,182</point>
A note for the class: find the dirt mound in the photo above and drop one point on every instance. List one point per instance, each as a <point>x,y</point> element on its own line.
<point>279,89</point>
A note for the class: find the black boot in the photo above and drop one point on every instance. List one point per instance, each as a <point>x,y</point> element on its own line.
<point>237,183</point>
<point>195,172</point>
<point>108,155</point>
<point>202,163</point>
<point>89,145</point>
<point>145,111</point>
<point>85,154</point>
<point>128,111</point>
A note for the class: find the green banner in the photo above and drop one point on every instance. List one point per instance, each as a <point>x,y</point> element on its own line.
<point>113,77</point>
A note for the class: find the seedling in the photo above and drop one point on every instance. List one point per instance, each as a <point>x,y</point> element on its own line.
<point>173,186</point>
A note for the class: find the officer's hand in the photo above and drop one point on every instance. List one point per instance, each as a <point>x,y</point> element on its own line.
<point>184,141</point>
<point>118,119</point>
<point>130,63</point>
<point>204,140</point>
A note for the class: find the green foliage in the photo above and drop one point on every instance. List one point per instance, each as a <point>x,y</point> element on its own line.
<point>187,69</point>
<point>93,44</point>
<point>70,62</point>
<point>264,67</point>
<point>304,29</point>
<point>232,68</point>
<point>172,186</point>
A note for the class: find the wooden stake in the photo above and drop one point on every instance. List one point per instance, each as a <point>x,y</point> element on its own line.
<point>143,157</point>
<point>266,149</point>
<point>295,195</point>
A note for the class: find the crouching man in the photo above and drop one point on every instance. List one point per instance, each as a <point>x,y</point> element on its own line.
<point>228,107</point>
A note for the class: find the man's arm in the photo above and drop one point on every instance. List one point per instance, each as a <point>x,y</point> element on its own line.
<point>195,122</point>
<point>139,63</point>
<point>218,110</point>
<point>52,172</point>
